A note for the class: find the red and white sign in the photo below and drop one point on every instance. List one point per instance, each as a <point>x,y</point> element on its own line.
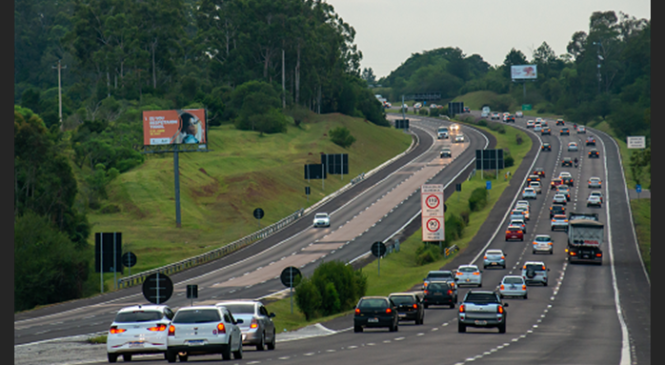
<point>431,197</point>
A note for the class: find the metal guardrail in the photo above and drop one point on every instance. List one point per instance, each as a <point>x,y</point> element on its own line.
<point>450,250</point>
<point>211,255</point>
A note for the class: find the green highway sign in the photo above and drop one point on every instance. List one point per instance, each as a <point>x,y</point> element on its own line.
<point>526,106</point>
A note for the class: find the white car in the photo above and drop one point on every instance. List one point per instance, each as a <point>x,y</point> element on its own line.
<point>454,128</point>
<point>469,275</point>
<point>593,200</point>
<point>417,105</point>
<point>563,174</point>
<point>523,202</point>
<point>202,330</point>
<point>595,182</point>
<point>513,286</point>
<point>529,193</point>
<point>542,243</point>
<point>559,199</point>
<point>535,272</point>
<point>559,221</point>
<point>530,123</point>
<point>572,146</point>
<point>321,220</point>
<point>525,210</point>
<point>445,152</point>
<point>598,194</point>
<point>537,128</point>
<point>581,129</point>
<point>535,185</point>
<point>519,114</point>
<point>495,116</point>
<point>459,138</point>
<point>139,329</point>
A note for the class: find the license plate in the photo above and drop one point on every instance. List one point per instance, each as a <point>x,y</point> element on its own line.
<point>373,320</point>
<point>480,323</point>
<point>585,256</point>
<point>468,280</point>
<point>514,236</point>
<point>493,263</point>
<point>402,314</point>
<point>136,344</point>
<point>195,342</point>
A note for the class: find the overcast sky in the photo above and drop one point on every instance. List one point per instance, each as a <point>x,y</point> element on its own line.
<point>390,31</point>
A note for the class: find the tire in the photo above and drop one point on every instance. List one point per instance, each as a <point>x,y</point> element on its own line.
<point>461,327</point>
<point>271,344</point>
<point>452,305</point>
<point>182,358</point>
<point>357,329</point>
<point>426,306</point>
<point>480,285</point>
<point>126,357</point>
<point>226,351</point>
<point>112,357</point>
<point>545,284</point>
<point>170,356</point>
<point>534,252</point>
<point>393,327</point>
<point>551,252</point>
<point>237,355</point>
<point>502,327</point>
<point>526,296</point>
<point>262,343</point>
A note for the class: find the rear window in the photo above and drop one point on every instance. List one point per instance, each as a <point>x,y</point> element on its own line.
<point>481,298</point>
<point>197,316</point>
<point>515,280</point>
<point>542,239</point>
<point>240,308</point>
<point>440,275</point>
<point>514,229</point>
<point>403,299</point>
<point>534,267</point>
<point>494,253</point>
<point>438,286</point>
<point>468,269</point>
<point>373,303</point>
<point>138,316</point>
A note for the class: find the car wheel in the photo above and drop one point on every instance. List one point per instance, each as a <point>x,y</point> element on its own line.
<point>526,296</point>
<point>534,252</point>
<point>545,284</point>
<point>126,357</point>
<point>271,344</point>
<point>480,285</point>
<point>170,356</point>
<point>452,305</point>
<point>551,252</point>
<point>112,357</point>
<point>237,355</point>
<point>262,343</point>
<point>502,327</point>
<point>182,358</point>
<point>357,328</point>
<point>426,306</point>
<point>461,327</point>
<point>226,351</point>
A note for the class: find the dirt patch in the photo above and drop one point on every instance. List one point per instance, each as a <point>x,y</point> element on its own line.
<point>203,171</point>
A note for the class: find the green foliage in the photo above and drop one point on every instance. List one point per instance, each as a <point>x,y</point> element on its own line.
<point>482,123</point>
<point>341,136</point>
<point>308,298</point>
<point>434,112</point>
<point>422,111</point>
<point>478,199</point>
<point>454,227</point>
<point>427,253</point>
<point>518,139</point>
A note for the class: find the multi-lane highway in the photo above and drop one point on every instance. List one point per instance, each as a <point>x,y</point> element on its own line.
<point>575,319</point>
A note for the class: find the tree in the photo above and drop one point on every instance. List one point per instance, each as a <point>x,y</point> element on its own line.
<point>341,136</point>
<point>368,76</point>
<point>513,58</point>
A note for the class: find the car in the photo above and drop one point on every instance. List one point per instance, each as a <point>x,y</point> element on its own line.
<point>535,272</point>
<point>514,233</point>
<point>591,141</point>
<point>321,220</point>
<point>559,199</point>
<point>442,133</point>
<point>375,312</point>
<point>581,129</point>
<point>529,193</point>
<point>594,200</point>
<point>459,138</point>
<point>454,127</point>
<point>469,275</point>
<point>510,119</point>
<point>542,242</point>
<point>482,309</point>
<point>513,286</point>
<point>495,116</point>
<point>557,209</point>
<point>530,123</point>
<point>539,171</point>
<point>203,330</point>
<point>546,131</point>
<point>138,329</point>
<point>565,190</point>
<point>598,194</point>
<point>536,186</point>
<point>524,209</point>
<point>445,152</point>
<point>595,182</point>
<point>409,306</point>
<point>563,174</point>
<point>559,221</point>
<point>546,147</point>
<point>572,146</point>
<point>516,214</point>
<point>567,161</point>
<point>523,202</point>
<point>538,128</point>
<point>405,107</point>
<point>440,275</point>
<point>467,109</point>
<point>257,327</point>
<point>544,123</point>
<point>417,105</point>
<point>532,177</point>
<point>518,223</point>
<point>594,153</point>
<point>556,182</point>
<point>519,114</point>
<point>494,258</point>
<point>568,180</point>
<point>560,122</point>
<point>440,293</point>
<point>539,120</point>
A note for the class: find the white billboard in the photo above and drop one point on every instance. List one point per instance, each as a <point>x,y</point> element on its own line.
<point>431,198</point>
<point>524,72</point>
<point>636,142</point>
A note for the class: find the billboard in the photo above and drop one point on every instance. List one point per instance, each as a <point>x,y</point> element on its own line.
<point>164,127</point>
<point>524,72</point>
<point>431,198</point>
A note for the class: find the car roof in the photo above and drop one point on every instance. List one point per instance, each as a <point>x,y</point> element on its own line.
<point>562,216</point>
<point>439,272</point>
<point>512,276</point>
<point>468,265</point>
<point>543,235</point>
<point>534,262</point>
<point>494,250</point>
<point>195,307</point>
<point>405,293</point>
<point>237,301</point>
<point>144,307</point>
<point>594,178</point>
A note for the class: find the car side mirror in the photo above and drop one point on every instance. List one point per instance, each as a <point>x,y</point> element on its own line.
<point>239,320</point>
<point>272,315</point>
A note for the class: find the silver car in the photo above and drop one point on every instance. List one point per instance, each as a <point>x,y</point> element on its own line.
<point>593,200</point>
<point>469,275</point>
<point>494,258</point>
<point>559,199</point>
<point>572,146</point>
<point>535,272</point>
<point>257,326</point>
<point>543,243</point>
<point>559,221</point>
<point>529,193</point>
<point>535,185</point>
<point>513,286</point>
<point>459,138</point>
<point>595,183</point>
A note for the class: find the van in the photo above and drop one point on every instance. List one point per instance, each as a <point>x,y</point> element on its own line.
<point>485,111</point>
<point>442,133</point>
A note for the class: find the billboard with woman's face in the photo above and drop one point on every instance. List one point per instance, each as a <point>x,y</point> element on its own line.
<point>162,127</point>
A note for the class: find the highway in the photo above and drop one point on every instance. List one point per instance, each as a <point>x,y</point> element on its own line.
<point>576,319</point>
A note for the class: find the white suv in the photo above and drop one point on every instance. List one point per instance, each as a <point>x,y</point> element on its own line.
<point>535,272</point>
<point>202,330</point>
<point>139,329</point>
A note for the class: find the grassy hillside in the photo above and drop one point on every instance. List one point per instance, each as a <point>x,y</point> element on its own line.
<point>475,100</point>
<point>220,189</point>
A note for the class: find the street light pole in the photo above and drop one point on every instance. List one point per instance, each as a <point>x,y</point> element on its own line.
<point>59,68</point>
<point>598,44</point>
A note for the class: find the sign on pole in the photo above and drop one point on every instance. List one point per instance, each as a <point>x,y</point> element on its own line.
<point>524,72</point>
<point>431,198</point>
<point>290,276</point>
<point>164,127</point>
<point>378,250</point>
<point>157,288</point>
<point>636,142</point>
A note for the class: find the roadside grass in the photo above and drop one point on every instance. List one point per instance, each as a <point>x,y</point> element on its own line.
<point>399,271</point>
<point>219,190</point>
<point>97,339</point>
<point>642,218</point>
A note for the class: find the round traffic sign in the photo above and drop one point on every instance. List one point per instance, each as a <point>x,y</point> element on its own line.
<point>128,259</point>
<point>290,276</point>
<point>378,249</point>
<point>157,288</point>
<point>432,201</point>
<point>258,213</point>
<point>433,225</point>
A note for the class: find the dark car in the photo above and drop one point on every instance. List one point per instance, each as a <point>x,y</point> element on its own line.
<point>440,293</point>
<point>510,119</point>
<point>567,180</point>
<point>467,110</point>
<point>557,209</point>
<point>539,171</point>
<point>546,147</point>
<point>594,154</point>
<point>560,122</point>
<point>409,306</point>
<point>567,161</point>
<point>565,132</point>
<point>532,177</point>
<point>546,131</point>
<point>375,311</point>
<point>590,141</point>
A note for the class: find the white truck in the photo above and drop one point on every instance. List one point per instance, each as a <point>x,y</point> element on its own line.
<point>442,133</point>
<point>485,111</point>
<point>585,237</point>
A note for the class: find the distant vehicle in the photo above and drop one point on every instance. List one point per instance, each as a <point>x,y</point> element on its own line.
<point>417,105</point>
<point>467,109</point>
<point>514,233</point>
<point>524,209</point>
<point>559,221</point>
<point>581,129</point>
<point>321,220</point>
<point>518,223</point>
<point>594,153</point>
<point>513,286</point>
<point>598,194</point>
<point>536,186</point>
<point>495,116</point>
<point>257,327</point>
<point>482,309</point>
<point>559,199</point>
<point>593,200</point>
<point>538,128</point>
<point>494,257</point>
<point>556,182</point>
<point>565,132</point>
<point>440,275</point>
<point>138,329</point>
<point>567,161</point>
<point>519,114</point>
<point>442,133</point>
<point>529,193</point>
<point>546,131</point>
<point>560,122</point>
<point>532,177</point>
<point>572,146</point>
<point>557,209</point>
<point>469,275</point>
<point>563,189</point>
<point>542,242</point>
<point>459,138</point>
<point>595,183</point>
<point>530,123</point>
<point>546,146</point>
<point>440,293</point>
<point>590,141</point>
<point>585,237</point>
<point>535,272</point>
<point>445,152</point>
<point>485,111</point>
<point>539,171</point>
<point>409,306</point>
<point>375,311</point>
<point>567,180</point>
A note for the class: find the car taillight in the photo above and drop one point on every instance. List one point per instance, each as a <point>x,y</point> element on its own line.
<point>254,324</point>
<point>425,291</point>
<point>485,257</point>
<point>115,330</point>
<point>507,232</point>
<point>461,308</point>
<point>599,255</point>
<point>358,309</point>
<point>543,268</point>
<point>502,287</point>
<point>171,330</point>
<point>221,328</point>
<point>160,327</point>
<point>523,287</point>
<point>476,273</point>
<point>520,232</point>
<point>503,257</point>
<point>415,306</point>
<point>572,253</point>
<point>388,310</point>
<point>549,243</point>
<point>459,274</point>
<point>499,309</point>
<point>450,292</point>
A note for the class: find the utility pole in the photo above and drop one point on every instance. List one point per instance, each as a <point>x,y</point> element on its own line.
<point>60,68</point>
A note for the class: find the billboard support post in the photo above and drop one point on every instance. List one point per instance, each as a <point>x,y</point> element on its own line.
<point>176,174</point>
<point>101,261</point>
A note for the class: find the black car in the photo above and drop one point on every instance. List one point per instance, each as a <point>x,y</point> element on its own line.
<point>557,209</point>
<point>565,132</point>
<point>590,141</point>
<point>546,147</point>
<point>567,180</point>
<point>567,161</point>
<point>375,311</point>
<point>546,131</point>
<point>594,154</point>
<point>409,306</point>
<point>560,122</point>
<point>440,293</point>
<point>510,119</point>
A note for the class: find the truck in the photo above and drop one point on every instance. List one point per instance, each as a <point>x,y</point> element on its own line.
<point>585,238</point>
<point>485,111</point>
<point>442,133</point>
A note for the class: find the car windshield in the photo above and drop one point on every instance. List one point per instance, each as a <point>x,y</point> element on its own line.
<point>468,269</point>
<point>403,299</point>
<point>513,280</point>
<point>542,239</point>
<point>138,316</point>
<point>321,215</point>
<point>373,303</point>
<point>514,228</point>
<point>240,308</point>
<point>197,316</point>
<point>481,298</point>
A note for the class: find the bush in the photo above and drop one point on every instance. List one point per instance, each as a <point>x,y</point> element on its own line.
<point>508,161</point>
<point>434,112</point>
<point>454,227</point>
<point>465,217</point>
<point>427,253</point>
<point>307,298</point>
<point>110,209</point>
<point>422,111</point>
<point>518,139</point>
<point>478,199</point>
<point>341,136</point>
<point>482,123</point>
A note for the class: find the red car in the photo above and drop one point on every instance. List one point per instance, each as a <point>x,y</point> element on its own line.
<point>514,233</point>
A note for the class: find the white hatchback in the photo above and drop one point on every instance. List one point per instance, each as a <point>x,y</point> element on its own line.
<point>513,286</point>
<point>139,329</point>
<point>535,185</point>
<point>321,220</point>
<point>469,275</point>
<point>529,193</point>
